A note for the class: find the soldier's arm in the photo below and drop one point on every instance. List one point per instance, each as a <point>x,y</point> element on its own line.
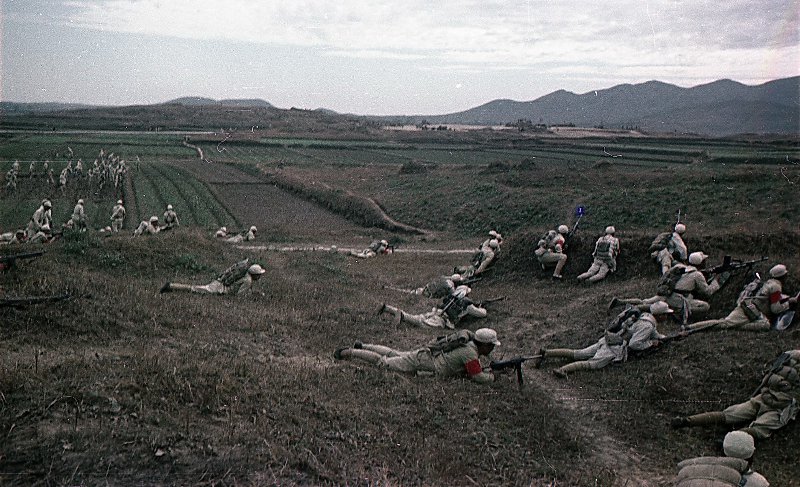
<point>642,337</point>
<point>703,286</point>
<point>476,373</point>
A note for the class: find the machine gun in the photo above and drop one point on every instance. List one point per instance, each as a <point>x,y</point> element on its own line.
<point>731,265</point>
<point>515,363</point>
<point>8,261</point>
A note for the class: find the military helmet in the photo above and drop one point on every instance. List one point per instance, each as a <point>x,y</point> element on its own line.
<point>153,219</point>
<point>493,243</point>
<point>169,207</point>
<point>119,202</point>
<point>47,204</point>
<point>253,229</point>
<point>697,258</point>
<point>680,228</point>
<point>610,230</point>
<point>80,201</point>
<point>563,229</point>
<point>256,269</point>
<point>778,271</point>
<point>739,444</point>
<point>660,308</point>
<point>486,335</point>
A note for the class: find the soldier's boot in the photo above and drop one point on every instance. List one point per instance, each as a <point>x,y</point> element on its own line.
<point>570,368</point>
<point>702,419</point>
<point>165,288</point>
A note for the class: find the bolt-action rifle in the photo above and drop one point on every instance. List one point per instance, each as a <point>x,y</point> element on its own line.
<point>777,364</point>
<point>515,363</point>
<point>22,301</point>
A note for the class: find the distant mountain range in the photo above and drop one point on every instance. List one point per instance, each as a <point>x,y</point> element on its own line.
<point>720,108</point>
<point>723,107</point>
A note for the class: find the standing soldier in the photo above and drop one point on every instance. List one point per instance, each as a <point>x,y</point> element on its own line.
<point>15,166</point>
<point>11,180</point>
<point>170,218</point>
<point>454,355</point>
<point>45,168</point>
<point>147,227</point>
<point>41,217</point>
<point>62,181</point>
<point>50,180</point>
<point>32,169</point>
<point>757,312</point>
<point>637,336</point>
<point>117,217</point>
<point>236,280</point>
<point>551,250</point>
<point>605,254</point>
<point>668,248</point>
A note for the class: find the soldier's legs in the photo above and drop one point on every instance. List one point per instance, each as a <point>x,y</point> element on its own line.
<point>566,353</point>
<point>741,319</point>
<point>601,273</point>
<point>214,287</point>
<point>475,311</point>
<point>562,260</point>
<point>665,260</point>
<point>703,324</point>
<point>698,307</point>
<point>702,419</point>
<point>593,270</point>
<point>380,349</point>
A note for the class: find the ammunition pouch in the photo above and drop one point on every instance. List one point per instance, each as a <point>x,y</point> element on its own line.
<point>750,310</point>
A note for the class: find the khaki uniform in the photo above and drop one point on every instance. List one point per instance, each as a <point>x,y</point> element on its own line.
<point>716,472</point>
<point>772,408</point>
<point>239,287</point>
<point>691,284</point>
<point>760,310</point>
<point>79,217</point>
<point>676,246</point>
<point>614,347</point>
<point>375,248</point>
<point>40,218</point>
<point>170,219</point>
<point>604,261</point>
<point>117,218</point>
<point>436,317</point>
<point>147,228</point>
<point>249,236</point>
<point>553,253</point>
<point>461,362</point>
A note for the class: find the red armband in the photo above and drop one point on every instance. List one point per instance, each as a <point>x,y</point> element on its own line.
<point>473,367</point>
<point>774,297</point>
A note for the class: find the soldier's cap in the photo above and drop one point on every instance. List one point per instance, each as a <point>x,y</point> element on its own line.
<point>563,229</point>
<point>253,229</point>
<point>47,204</point>
<point>660,308</point>
<point>739,444</point>
<point>486,335</point>
<point>493,243</point>
<point>169,207</point>
<point>80,201</point>
<point>153,219</point>
<point>493,233</point>
<point>455,277</point>
<point>119,202</point>
<point>224,229</point>
<point>610,230</point>
<point>256,269</point>
<point>778,271</point>
<point>680,228</point>
<point>384,242</point>
<point>45,228</point>
<point>697,258</point>
<point>461,291</point>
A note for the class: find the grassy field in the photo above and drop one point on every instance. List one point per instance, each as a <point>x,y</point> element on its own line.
<point>122,385</point>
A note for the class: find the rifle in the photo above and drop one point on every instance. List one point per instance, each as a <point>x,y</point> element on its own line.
<point>490,300</point>
<point>777,364</point>
<point>684,333</point>
<point>579,212</point>
<point>19,302</point>
<point>731,265</point>
<point>8,261</point>
<point>515,363</point>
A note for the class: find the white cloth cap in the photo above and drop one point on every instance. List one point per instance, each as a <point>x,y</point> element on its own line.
<point>80,201</point>
<point>493,243</point>
<point>493,233</point>
<point>755,479</point>
<point>455,277</point>
<point>660,308</point>
<point>563,229</point>
<point>486,335</point>
<point>253,229</point>
<point>680,228</point>
<point>119,202</point>
<point>256,269</point>
<point>462,291</point>
<point>610,230</point>
<point>739,444</point>
<point>153,219</point>
<point>169,207</point>
<point>697,258</point>
<point>47,204</point>
<point>778,271</point>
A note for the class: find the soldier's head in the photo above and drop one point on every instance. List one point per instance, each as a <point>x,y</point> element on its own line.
<point>778,272</point>
<point>496,234</point>
<point>46,204</point>
<point>697,258</point>
<point>660,310</point>
<point>738,444</point>
<point>255,271</point>
<point>119,202</point>
<point>461,291</point>
<point>610,230</point>
<point>485,340</point>
<point>154,220</point>
<point>563,229</point>
<point>169,207</point>
<point>680,228</point>
<point>254,229</point>
<point>80,201</point>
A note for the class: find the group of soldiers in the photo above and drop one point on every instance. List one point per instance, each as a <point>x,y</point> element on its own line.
<point>108,169</point>
<point>152,226</point>
<point>236,238</point>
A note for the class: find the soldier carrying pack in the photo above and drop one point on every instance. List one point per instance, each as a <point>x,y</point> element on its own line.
<point>448,343</point>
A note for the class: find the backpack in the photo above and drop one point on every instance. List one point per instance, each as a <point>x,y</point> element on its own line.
<point>666,284</point>
<point>234,272</point>
<point>448,343</point>
<point>750,290</point>
<point>454,306</point>
<point>629,315</point>
<point>437,288</point>
<point>660,242</point>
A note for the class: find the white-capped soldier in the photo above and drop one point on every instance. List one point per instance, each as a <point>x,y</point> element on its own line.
<point>249,236</point>
<point>117,216</point>
<point>222,232</point>
<point>149,227</point>
<point>236,280</point>
<point>79,216</point>
<point>734,469</point>
<point>376,247</point>
<point>758,312</point>
<point>636,335</point>
<point>170,218</point>
<point>455,355</point>
<point>485,257</point>
<point>669,248</point>
<point>551,250</point>
<point>448,314</point>
<point>686,291</point>
<point>605,253</point>
<point>41,217</point>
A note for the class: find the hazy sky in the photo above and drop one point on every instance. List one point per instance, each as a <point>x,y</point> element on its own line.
<point>381,56</point>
